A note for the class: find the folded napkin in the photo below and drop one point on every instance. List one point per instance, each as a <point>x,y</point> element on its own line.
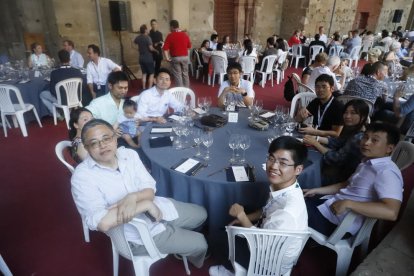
<point>160,142</point>
<point>249,171</point>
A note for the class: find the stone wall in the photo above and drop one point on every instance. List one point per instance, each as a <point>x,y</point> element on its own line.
<point>268,18</point>
<point>294,17</point>
<point>373,7</point>
<point>387,13</point>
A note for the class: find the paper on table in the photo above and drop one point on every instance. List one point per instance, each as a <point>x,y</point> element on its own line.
<point>267,115</point>
<point>161,130</point>
<point>175,117</point>
<point>187,165</point>
<point>264,166</point>
<point>156,137</point>
<point>199,110</point>
<point>233,117</point>
<point>239,173</point>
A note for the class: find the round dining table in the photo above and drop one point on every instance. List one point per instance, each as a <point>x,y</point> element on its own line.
<point>209,187</point>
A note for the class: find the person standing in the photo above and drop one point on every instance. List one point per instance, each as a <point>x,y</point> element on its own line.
<point>175,49</point>
<point>146,60</point>
<point>97,71</point>
<point>157,42</point>
<point>76,59</point>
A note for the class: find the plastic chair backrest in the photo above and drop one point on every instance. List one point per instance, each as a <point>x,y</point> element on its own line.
<point>366,45</point>
<point>403,154</point>
<point>248,64</point>
<point>136,98</point>
<point>355,52</point>
<point>345,99</point>
<point>197,54</point>
<point>314,50</point>
<point>282,58</point>
<point>297,50</point>
<point>219,64</point>
<point>267,248</point>
<point>410,133</point>
<point>73,89</point>
<point>269,62</point>
<point>304,97</point>
<point>6,103</point>
<point>59,150</point>
<point>180,93</point>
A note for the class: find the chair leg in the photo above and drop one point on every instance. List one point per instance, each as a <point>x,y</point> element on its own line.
<point>22,124</point>
<point>37,117</point>
<point>67,115</point>
<point>264,75</point>
<point>214,79</point>
<point>4,268</point>
<point>15,123</point>
<point>291,61</point>
<point>271,77</point>
<point>54,115</point>
<point>187,270</point>
<point>343,260</point>
<point>3,122</point>
<point>85,231</point>
<point>115,260</point>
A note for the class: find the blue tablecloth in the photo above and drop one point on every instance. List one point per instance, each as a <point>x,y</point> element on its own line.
<point>215,193</point>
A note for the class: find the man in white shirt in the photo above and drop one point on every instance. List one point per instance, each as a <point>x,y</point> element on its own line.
<point>213,41</point>
<point>236,88</point>
<point>76,59</point>
<point>332,67</point>
<point>154,102</point>
<point>285,209</point>
<point>97,71</point>
<point>112,186</point>
<point>323,36</point>
<point>109,106</point>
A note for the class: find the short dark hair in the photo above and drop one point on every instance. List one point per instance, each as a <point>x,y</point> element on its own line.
<point>117,76</point>
<point>325,78</point>
<point>163,70</point>
<point>393,133</point>
<point>69,42</point>
<point>317,37</point>
<point>153,20</point>
<point>220,46</point>
<point>33,46</point>
<point>213,36</point>
<point>234,65</point>
<point>297,149</point>
<point>174,24</point>
<point>270,40</point>
<point>142,29</point>
<point>367,70</point>
<point>94,123</point>
<point>377,66</point>
<point>130,103</point>
<point>74,118</point>
<point>64,56</point>
<point>95,49</point>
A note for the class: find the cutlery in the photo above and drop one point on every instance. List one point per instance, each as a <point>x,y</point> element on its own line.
<point>201,166</point>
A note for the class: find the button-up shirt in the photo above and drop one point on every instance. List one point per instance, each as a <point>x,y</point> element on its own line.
<point>105,108</point>
<point>96,188</point>
<point>238,98</point>
<point>98,73</point>
<point>373,180</point>
<point>366,87</point>
<point>76,59</point>
<point>153,104</point>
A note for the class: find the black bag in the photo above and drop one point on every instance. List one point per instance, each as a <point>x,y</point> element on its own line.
<point>289,91</point>
<point>213,120</point>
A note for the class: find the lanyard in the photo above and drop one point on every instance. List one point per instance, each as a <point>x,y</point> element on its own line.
<point>320,117</point>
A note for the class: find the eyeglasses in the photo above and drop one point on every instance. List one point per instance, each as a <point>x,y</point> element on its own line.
<point>282,164</point>
<point>103,142</point>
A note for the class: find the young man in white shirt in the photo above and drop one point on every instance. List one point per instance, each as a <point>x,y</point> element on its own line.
<point>76,59</point>
<point>111,187</point>
<point>285,210</point>
<point>97,71</point>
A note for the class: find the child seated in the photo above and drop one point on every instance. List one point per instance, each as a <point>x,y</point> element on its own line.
<point>128,123</point>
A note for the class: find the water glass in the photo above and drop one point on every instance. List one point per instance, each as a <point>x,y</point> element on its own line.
<point>244,145</point>
<point>197,139</point>
<point>207,139</point>
<point>234,143</point>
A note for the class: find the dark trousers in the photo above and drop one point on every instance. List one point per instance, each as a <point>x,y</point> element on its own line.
<point>315,219</point>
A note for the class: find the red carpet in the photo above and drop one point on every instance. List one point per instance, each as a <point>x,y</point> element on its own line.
<point>41,230</point>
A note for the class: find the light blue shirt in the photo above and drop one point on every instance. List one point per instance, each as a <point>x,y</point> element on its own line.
<point>407,106</point>
<point>76,59</point>
<point>373,180</point>
<point>105,108</point>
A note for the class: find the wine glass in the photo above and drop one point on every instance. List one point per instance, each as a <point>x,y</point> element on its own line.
<point>185,131</point>
<point>197,139</point>
<point>200,102</point>
<point>290,126</point>
<point>177,128</point>
<point>207,103</point>
<point>233,144</point>
<point>207,139</point>
<point>244,145</point>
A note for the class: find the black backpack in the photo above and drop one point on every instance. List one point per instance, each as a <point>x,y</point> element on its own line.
<point>289,91</point>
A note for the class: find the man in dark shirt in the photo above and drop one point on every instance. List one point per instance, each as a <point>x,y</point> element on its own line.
<point>157,41</point>
<point>325,109</point>
<point>146,60</point>
<point>65,71</point>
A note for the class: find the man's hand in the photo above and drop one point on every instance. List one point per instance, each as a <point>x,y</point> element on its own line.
<point>126,209</point>
<point>234,222</point>
<point>308,130</point>
<point>236,210</point>
<point>310,140</point>
<point>160,120</point>
<point>303,113</point>
<point>154,211</point>
<point>118,131</point>
<point>310,192</point>
<point>340,206</point>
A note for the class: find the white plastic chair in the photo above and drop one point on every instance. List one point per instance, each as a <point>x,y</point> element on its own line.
<point>354,56</point>
<point>336,50</point>
<point>4,268</point>
<point>7,107</point>
<point>304,99</point>
<point>267,249</point>
<point>304,88</point>
<point>297,54</point>
<point>180,93</point>
<point>313,51</point>
<point>219,68</point>
<point>345,99</point>
<point>280,74</point>
<point>199,65</point>
<point>248,66</point>
<point>59,150</point>
<point>73,90</point>
<point>410,133</point>
<point>403,154</point>
<point>121,247</point>
<point>268,62</point>
<point>366,46</point>
<point>345,247</point>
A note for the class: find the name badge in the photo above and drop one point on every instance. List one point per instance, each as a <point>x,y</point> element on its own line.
<point>98,87</point>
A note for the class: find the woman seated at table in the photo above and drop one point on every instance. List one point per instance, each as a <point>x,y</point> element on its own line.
<point>226,42</point>
<point>248,50</point>
<point>393,61</point>
<point>342,155</point>
<point>37,58</point>
<point>294,39</point>
<point>78,118</point>
<point>374,55</point>
<point>336,41</point>
<point>204,58</point>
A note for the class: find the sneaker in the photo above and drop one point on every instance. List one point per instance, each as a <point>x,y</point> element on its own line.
<point>219,270</point>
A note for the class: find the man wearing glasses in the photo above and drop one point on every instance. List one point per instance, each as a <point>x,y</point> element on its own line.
<point>112,186</point>
<point>285,209</point>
